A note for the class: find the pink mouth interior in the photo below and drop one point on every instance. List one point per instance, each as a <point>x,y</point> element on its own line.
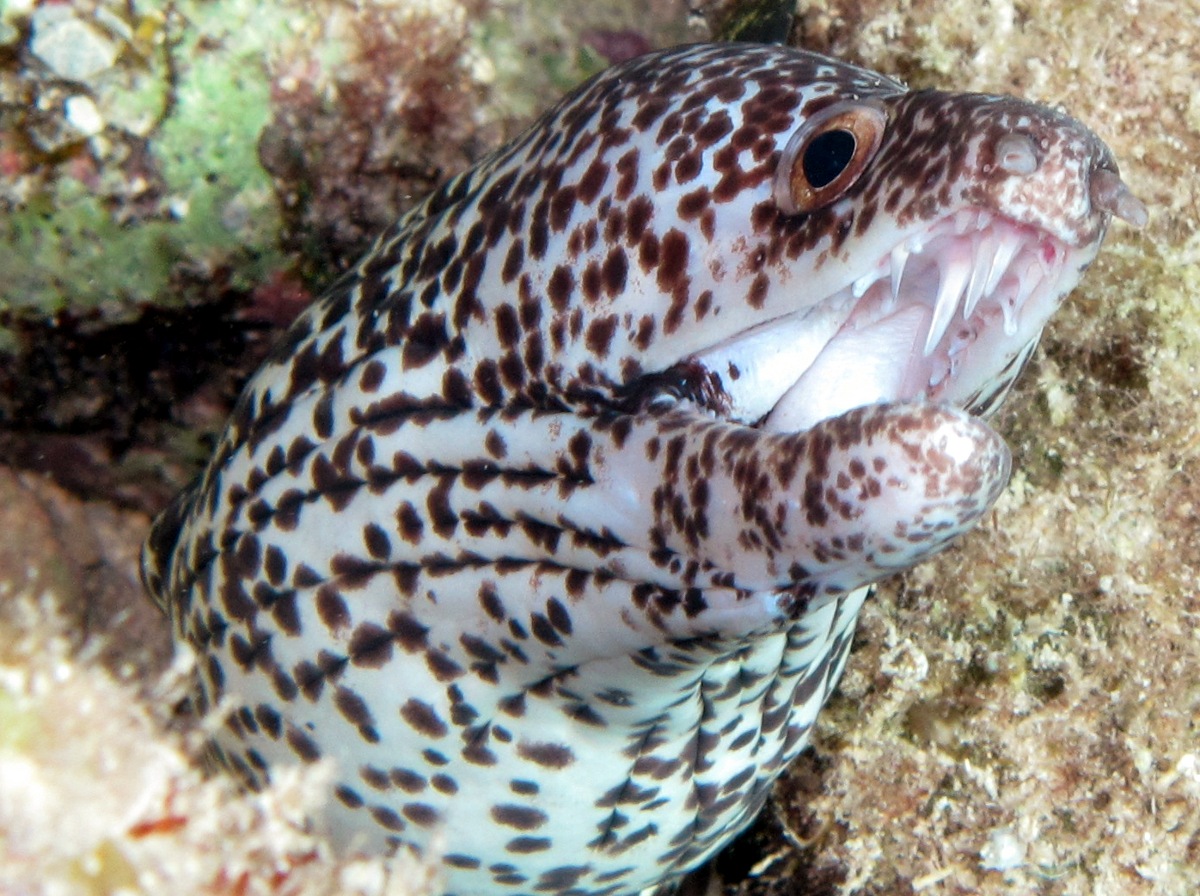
<point>933,320</point>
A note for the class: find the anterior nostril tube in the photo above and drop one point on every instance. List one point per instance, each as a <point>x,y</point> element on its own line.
<point>1016,154</point>
<point>1109,194</point>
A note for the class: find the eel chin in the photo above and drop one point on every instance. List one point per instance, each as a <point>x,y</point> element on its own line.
<point>948,316</point>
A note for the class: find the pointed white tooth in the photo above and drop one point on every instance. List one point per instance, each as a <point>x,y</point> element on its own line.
<point>899,258</point>
<point>1010,316</point>
<point>979,267</point>
<point>1029,277</point>
<point>953,279</point>
<point>915,244</point>
<point>940,372</point>
<point>1005,249</point>
<point>958,342</point>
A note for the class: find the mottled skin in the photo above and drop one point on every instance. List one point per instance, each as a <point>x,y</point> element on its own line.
<point>520,524</point>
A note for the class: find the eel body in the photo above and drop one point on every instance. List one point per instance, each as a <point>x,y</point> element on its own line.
<point>550,522</point>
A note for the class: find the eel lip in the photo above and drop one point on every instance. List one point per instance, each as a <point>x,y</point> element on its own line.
<point>948,315</point>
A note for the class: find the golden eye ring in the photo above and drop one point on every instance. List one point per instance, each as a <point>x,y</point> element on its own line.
<point>827,155</point>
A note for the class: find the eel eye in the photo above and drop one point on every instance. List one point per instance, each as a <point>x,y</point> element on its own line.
<point>824,158</point>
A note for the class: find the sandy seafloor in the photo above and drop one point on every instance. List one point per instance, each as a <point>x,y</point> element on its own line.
<point>1019,716</point>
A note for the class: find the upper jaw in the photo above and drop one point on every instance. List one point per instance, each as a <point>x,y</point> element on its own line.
<point>941,317</point>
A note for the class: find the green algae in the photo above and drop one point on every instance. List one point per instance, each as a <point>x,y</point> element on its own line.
<point>101,223</point>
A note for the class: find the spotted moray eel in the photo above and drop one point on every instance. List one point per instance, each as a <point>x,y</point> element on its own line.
<point>550,521</point>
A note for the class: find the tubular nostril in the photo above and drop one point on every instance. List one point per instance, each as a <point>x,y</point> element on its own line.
<point>1016,154</point>
<point>1109,194</point>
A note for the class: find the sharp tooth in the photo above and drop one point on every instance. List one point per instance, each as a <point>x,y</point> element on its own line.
<point>979,265</point>
<point>940,372</point>
<point>899,258</point>
<point>971,221</point>
<point>1010,316</point>
<point>1028,279</point>
<point>954,274</point>
<point>1006,248</point>
<point>915,244</point>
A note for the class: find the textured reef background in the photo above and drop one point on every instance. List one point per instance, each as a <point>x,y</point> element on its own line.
<point>177,179</point>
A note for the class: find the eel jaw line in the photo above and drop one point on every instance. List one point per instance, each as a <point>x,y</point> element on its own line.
<point>941,318</point>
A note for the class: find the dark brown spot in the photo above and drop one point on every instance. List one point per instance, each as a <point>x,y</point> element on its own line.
<point>348,797</point>
<point>491,603</point>
<point>411,523</point>
<point>370,646</point>
<point>523,818</point>
<point>758,291</point>
<point>559,616</point>
<point>523,787</point>
<point>444,784</point>
<point>560,286</point>
<point>456,390</point>
<point>600,334</point>
<point>442,667</point>
<point>376,541</point>
<point>423,718</point>
<point>376,778</point>
<point>614,271</point>
<point>269,720</point>
<point>692,205</point>
<point>441,513</point>
<point>354,709</point>
<point>593,181</point>
<point>508,327</point>
<point>562,204</point>
<point>420,814</point>
<point>513,261</point>
<point>527,845</point>
<point>302,745</point>
<point>410,634</point>
<point>544,631</point>
<point>407,780</point>
<point>719,124</point>
<point>487,382</point>
<point>576,583</point>
<point>426,338</point>
<point>332,609</point>
<point>546,754</point>
<point>495,445</point>
<point>386,818</point>
<point>673,259</point>
<point>592,281</point>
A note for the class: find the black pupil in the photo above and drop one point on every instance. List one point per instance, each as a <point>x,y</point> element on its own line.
<point>827,156</point>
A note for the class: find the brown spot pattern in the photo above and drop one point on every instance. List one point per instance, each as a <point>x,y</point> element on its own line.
<point>459,534</point>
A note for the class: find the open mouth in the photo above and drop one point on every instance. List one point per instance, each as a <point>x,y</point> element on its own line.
<point>947,315</point>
